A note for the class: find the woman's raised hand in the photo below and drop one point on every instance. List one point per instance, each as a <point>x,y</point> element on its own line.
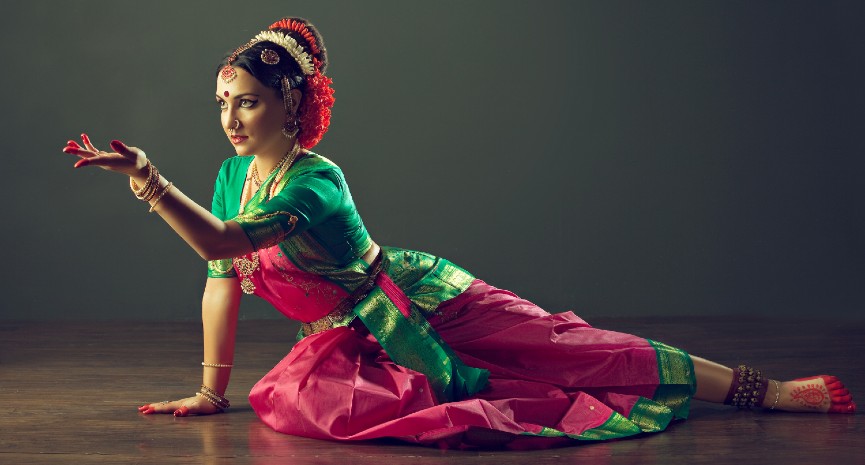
<point>195,405</point>
<point>127,160</point>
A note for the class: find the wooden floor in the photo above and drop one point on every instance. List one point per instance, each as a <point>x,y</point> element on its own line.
<point>69,392</point>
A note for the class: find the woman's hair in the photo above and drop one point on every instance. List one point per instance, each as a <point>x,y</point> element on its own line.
<point>317,95</point>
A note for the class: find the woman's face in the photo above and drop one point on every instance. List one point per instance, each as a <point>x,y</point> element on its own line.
<point>260,111</point>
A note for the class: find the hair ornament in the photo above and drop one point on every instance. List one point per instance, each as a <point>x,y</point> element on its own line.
<point>300,29</point>
<point>269,56</point>
<point>303,59</point>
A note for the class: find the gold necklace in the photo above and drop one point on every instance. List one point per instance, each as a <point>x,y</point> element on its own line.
<point>247,266</point>
<point>290,155</point>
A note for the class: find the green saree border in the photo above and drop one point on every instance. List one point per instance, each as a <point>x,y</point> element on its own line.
<point>677,381</point>
<point>615,426</point>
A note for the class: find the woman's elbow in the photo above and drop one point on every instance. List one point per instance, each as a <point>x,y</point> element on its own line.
<point>232,242</point>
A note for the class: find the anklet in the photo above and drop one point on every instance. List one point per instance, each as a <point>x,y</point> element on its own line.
<point>747,388</point>
<point>777,394</point>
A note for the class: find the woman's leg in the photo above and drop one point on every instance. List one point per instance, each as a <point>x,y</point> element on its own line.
<point>713,380</point>
<point>815,394</point>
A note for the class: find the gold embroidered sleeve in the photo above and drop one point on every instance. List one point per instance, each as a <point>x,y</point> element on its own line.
<point>268,229</point>
<point>220,269</point>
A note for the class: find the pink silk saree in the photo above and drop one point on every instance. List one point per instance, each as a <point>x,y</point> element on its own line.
<point>553,380</point>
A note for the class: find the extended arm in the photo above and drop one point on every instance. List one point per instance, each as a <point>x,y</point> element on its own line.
<point>209,236</point>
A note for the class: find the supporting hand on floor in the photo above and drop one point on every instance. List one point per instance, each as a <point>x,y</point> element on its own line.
<point>195,405</point>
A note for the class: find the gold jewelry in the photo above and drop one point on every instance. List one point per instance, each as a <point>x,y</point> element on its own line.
<point>748,388</point>
<point>217,365</point>
<point>256,178</point>
<point>160,196</point>
<point>231,130</point>
<point>291,127</point>
<point>245,268</point>
<point>777,394</point>
<point>286,160</point>
<point>150,186</point>
<point>213,397</point>
<point>345,306</point>
<point>269,56</point>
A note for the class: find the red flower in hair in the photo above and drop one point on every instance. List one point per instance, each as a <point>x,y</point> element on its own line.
<point>315,109</point>
<point>300,29</point>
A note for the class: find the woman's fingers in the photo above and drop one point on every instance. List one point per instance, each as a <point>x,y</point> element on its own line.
<point>160,407</point>
<point>180,408</point>
<point>125,159</point>
<point>110,161</point>
<point>87,143</point>
<point>123,149</point>
<point>83,153</point>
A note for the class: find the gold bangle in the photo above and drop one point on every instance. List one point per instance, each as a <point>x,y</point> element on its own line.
<point>216,402</point>
<point>150,187</point>
<point>160,196</point>
<point>154,186</point>
<point>217,365</point>
<point>213,397</point>
<point>134,186</point>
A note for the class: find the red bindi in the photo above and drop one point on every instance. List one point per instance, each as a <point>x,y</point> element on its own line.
<point>225,93</point>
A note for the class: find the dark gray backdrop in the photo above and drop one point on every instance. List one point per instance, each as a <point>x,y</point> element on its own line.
<point>614,158</point>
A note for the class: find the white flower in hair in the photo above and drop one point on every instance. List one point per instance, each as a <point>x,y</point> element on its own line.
<point>303,59</point>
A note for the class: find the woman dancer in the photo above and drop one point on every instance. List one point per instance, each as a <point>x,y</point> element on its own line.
<point>397,343</point>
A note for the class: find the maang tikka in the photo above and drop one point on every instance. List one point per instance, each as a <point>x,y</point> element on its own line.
<point>303,59</point>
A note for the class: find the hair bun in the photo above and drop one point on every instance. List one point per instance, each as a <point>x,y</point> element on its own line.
<point>300,28</point>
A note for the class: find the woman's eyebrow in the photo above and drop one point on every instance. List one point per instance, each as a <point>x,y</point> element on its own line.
<point>240,95</point>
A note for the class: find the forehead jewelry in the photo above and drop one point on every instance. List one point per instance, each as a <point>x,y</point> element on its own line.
<point>304,60</point>
<point>228,74</point>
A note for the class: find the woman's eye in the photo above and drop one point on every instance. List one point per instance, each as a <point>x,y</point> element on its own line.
<point>244,103</point>
<point>221,104</point>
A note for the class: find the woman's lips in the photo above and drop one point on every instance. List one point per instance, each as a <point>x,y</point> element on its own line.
<point>238,139</point>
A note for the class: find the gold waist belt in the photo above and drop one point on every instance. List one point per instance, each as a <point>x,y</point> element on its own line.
<point>346,305</point>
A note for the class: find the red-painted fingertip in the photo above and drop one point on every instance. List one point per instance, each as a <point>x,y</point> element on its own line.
<point>72,143</point>
<point>81,162</point>
<point>143,408</point>
<point>117,145</point>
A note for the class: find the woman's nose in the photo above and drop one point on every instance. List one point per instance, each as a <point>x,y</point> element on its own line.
<point>229,121</point>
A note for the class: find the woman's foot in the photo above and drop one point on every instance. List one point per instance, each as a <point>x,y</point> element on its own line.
<point>819,394</point>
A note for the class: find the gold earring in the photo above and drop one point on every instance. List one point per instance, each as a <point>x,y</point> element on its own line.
<point>290,128</point>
